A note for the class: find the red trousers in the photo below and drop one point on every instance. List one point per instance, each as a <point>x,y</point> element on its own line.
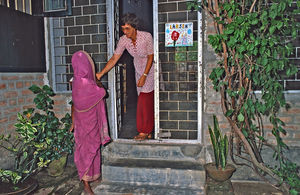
<point>145,113</point>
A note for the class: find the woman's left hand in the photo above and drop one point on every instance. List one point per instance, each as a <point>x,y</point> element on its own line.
<point>141,81</point>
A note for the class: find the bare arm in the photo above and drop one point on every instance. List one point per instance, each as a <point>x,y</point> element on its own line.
<point>142,79</point>
<point>109,65</point>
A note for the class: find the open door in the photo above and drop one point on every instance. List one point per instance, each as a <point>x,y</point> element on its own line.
<point>126,93</point>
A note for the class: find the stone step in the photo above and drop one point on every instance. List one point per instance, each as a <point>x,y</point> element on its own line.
<point>113,188</point>
<point>148,150</point>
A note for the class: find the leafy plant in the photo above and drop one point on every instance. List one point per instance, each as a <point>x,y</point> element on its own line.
<point>41,137</point>
<point>220,144</point>
<point>254,40</point>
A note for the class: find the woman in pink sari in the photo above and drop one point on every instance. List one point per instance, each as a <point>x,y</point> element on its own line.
<point>89,119</point>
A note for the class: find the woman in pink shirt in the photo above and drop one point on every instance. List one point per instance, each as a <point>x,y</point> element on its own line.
<point>139,44</point>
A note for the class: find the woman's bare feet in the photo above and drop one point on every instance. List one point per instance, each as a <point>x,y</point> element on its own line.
<point>87,188</point>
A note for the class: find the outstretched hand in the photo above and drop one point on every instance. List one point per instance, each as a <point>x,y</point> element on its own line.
<point>98,75</point>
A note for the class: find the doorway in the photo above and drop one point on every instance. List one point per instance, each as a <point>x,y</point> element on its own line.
<point>143,9</point>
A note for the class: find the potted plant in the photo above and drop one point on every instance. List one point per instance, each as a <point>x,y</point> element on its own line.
<point>220,170</point>
<point>40,138</point>
<point>62,141</point>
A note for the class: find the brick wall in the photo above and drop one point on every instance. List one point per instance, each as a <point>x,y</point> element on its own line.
<point>16,97</point>
<point>178,101</point>
<point>84,30</point>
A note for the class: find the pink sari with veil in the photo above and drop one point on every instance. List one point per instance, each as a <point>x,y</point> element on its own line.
<point>90,123</point>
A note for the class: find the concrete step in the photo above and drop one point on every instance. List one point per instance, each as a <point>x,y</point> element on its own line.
<point>113,188</point>
<point>149,150</point>
<point>158,165</point>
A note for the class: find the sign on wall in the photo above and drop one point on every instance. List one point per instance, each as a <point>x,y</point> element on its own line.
<point>179,34</point>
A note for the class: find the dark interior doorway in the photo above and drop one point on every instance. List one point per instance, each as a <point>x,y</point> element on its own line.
<point>143,9</point>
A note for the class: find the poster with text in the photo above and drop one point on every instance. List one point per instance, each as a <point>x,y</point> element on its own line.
<point>179,34</point>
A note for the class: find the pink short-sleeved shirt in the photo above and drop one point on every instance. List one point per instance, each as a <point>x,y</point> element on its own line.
<point>140,52</point>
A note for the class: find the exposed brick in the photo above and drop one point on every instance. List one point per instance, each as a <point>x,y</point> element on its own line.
<point>82,20</point>
<point>95,19</point>
<point>179,135</point>
<point>177,17</point>
<point>2,86</point>
<point>19,85</point>
<point>76,11</point>
<point>192,116</point>
<point>73,49</point>
<point>97,1</point>
<point>91,48</point>
<point>77,30</point>
<point>167,7</point>
<point>179,96</point>
<point>168,106</point>
<point>99,38</point>
<point>3,120</point>
<point>162,17</point>
<point>12,110</point>
<point>11,85</point>
<point>3,103</point>
<point>84,39</point>
<point>26,92</point>
<point>178,116</point>
<point>10,78</point>
<point>81,2</point>
<point>102,28</point>
<point>91,29</point>
<point>169,124</point>
<point>70,40</point>
<point>10,94</point>
<point>171,86</point>
<point>90,10</point>
<point>69,21</point>
<point>12,102</point>
<point>187,125</point>
<point>187,105</point>
<point>103,48</point>
<point>100,57</point>
<point>13,118</point>
<point>101,9</point>
<point>163,115</point>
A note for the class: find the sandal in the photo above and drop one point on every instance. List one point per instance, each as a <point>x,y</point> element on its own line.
<point>142,136</point>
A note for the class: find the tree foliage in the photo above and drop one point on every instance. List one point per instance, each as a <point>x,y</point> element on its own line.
<point>253,39</point>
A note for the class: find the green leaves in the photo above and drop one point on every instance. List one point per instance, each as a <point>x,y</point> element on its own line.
<point>220,144</point>
<point>41,138</point>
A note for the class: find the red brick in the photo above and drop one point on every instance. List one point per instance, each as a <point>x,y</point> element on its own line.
<point>29,100</point>
<point>3,86</point>
<point>27,77</point>
<point>3,120</point>
<point>21,100</point>
<point>12,110</point>
<point>26,92</point>
<point>12,102</point>
<point>11,85</point>
<point>19,85</point>
<point>10,94</point>
<point>3,103</point>
<point>286,119</point>
<point>28,106</point>
<point>40,77</point>
<point>293,111</point>
<point>27,84</point>
<point>10,78</point>
<point>292,127</point>
<point>13,118</point>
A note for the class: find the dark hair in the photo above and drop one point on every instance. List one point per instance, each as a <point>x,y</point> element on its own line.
<point>131,19</point>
